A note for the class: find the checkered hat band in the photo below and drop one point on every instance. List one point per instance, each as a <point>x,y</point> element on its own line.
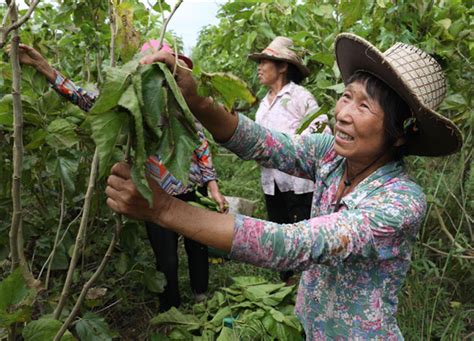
<point>420,71</point>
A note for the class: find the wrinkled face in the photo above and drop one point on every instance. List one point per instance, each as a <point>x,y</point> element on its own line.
<point>359,130</point>
<point>268,72</point>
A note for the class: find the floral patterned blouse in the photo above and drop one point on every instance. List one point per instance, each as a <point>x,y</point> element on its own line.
<point>354,261</point>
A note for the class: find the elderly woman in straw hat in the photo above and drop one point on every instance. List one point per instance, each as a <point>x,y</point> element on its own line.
<point>287,197</point>
<point>356,248</point>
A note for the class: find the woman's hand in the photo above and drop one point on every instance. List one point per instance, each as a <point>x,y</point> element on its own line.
<point>213,116</point>
<point>124,198</point>
<point>215,194</point>
<point>183,76</point>
<point>204,226</point>
<point>29,56</point>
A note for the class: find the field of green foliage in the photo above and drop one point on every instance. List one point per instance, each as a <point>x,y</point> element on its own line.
<point>52,206</point>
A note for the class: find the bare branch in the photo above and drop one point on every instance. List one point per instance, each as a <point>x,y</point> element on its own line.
<point>113,32</point>
<point>56,238</point>
<point>79,237</point>
<point>88,285</point>
<point>7,14</point>
<point>60,241</point>
<point>16,234</point>
<point>165,24</point>
<point>4,31</point>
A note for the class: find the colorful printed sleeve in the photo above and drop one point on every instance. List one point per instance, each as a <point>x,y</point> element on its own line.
<point>204,158</point>
<point>293,154</point>
<point>379,228</point>
<point>75,94</point>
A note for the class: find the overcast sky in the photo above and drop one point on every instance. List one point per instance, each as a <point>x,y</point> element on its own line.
<point>191,16</point>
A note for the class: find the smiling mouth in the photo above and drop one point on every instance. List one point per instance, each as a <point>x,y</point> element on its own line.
<point>344,136</point>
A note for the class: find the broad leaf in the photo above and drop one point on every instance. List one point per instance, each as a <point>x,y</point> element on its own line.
<point>115,84</point>
<point>6,110</point>
<point>127,38</point>
<point>38,138</point>
<point>106,129</point>
<point>13,290</point>
<point>178,95</point>
<point>61,134</point>
<point>227,87</point>
<point>245,281</point>
<point>351,11</point>
<point>15,297</point>
<point>64,164</point>
<point>45,329</point>
<point>129,101</point>
<point>6,119</point>
<point>222,313</point>
<point>50,102</point>
<point>92,327</point>
<point>175,316</point>
<point>228,334</point>
<point>154,98</point>
<point>67,165</point>
<point>324,58</point>
<point>176,147</point>
<point>154,281</point>
<point>311,117</point>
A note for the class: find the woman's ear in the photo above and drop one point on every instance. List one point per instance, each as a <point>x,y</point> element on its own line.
<point>282,67</point>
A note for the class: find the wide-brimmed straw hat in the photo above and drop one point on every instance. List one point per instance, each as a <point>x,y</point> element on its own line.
<point>280,49</point>
<point>417,78</point>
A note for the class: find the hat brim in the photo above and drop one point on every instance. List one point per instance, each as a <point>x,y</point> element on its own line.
<point>302,68</point>
<point>437,135</point>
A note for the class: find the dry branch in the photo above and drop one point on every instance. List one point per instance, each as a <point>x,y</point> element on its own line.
<point>89,283</point>
<point>16,234</point>
<point>4,31</point>
<point>166,22</point>
<point>113,32</point>
<point>56,238</point>
<point>79,237</point>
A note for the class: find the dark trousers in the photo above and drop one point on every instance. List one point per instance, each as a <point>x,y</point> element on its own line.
<point>165,248</point>
<point>287,208</point>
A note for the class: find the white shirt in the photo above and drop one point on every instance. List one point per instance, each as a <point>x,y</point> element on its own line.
<point>285,114</point>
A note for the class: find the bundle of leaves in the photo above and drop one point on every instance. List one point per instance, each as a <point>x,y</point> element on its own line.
<point>250,309</point>
<point>145,102</point>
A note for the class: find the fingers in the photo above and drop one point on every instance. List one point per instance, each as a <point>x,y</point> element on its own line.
<point>117,183</point>
<point>122,195</point>
<point>223,204</point>
<point>159,56</point>
<point>122,170</point>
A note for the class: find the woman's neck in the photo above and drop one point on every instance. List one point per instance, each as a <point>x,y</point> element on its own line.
<point>275,88</point>
<point>358,171</point>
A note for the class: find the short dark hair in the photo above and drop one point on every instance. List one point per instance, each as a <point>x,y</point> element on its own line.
<point>293,74</point>
<point>396,110</point>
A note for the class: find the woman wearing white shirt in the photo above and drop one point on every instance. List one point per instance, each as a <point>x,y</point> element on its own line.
<point>287,198</point>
